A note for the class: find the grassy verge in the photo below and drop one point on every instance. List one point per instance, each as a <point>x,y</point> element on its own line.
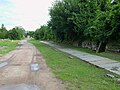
<point>107,54</point>
<point>77,74</point>
<point>7,46</point>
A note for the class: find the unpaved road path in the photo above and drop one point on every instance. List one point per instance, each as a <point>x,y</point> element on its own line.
<point>18,74</point>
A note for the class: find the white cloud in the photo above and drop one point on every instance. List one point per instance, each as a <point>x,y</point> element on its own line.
<point>27,13</point>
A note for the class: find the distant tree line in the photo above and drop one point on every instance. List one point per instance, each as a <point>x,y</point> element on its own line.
<point>29,33</point>
<point>73,21</point>
<point>16,33</point>
<point>44,33</point>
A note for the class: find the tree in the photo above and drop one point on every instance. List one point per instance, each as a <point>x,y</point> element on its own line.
<point>44,33</point>
<point>115,23</point>
<point>16,33</point>
<point>104,28</point>
<point>97,21</point>
<point>3,32</point>
<point>30,33</point>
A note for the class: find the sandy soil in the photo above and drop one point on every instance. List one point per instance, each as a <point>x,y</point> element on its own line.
<point>18,71</point>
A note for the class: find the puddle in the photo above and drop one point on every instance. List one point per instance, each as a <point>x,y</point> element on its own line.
<point>34,67</point>
<point>21,87</point>
<point>3,64</point>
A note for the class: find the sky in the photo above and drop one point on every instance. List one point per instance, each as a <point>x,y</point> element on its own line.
<point>30,14</point>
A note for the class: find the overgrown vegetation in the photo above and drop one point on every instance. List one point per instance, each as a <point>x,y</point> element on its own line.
<point>44,33</point>
<point>16,33</point>
<point>77,74</point>
<point>3,32</point>
<point>72,21</point>
<point>7,46</point>
<point>29,34</point>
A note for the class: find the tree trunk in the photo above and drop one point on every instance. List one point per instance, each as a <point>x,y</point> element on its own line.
<point>101,47</point>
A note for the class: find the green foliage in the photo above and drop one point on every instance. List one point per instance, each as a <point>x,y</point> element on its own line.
<point>16,33</point>
<point>75,73</point>
<point>8,46</point>
<point>115,22</point>
<point>80,20</point>
<point>44,32</point>
<point>3,32</point>
<point>69,18</point>
<point>30,33</point>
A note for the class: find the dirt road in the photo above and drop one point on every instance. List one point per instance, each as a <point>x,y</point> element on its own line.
<point>27,69</point>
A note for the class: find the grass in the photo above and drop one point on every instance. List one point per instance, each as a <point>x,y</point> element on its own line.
<point>7,45</point>
<point>107,54</point>
<point>75,73</point>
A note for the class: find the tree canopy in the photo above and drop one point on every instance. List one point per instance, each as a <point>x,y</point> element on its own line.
<point>16,33</point>
<point>3,32</point>
<point>97,21</point>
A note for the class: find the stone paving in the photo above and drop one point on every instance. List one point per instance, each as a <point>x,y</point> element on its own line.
<point>102,62</point>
